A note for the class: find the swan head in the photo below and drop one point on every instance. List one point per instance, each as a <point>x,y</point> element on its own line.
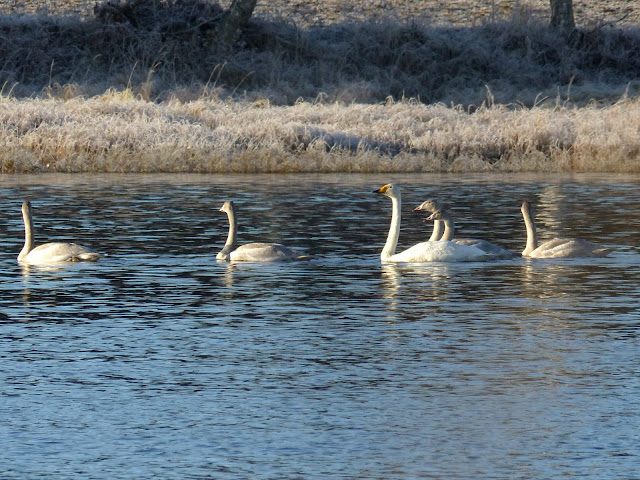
<point>26,207</point>
<point>430,205</point>
<point>227,207</point>
<point>526,207</point>
<point>439,215</point>
<point>390,190</point>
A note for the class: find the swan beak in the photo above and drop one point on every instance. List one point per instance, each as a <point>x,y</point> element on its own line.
<point>418,209</point>
<point>430,217</point>
<point>382,189</point>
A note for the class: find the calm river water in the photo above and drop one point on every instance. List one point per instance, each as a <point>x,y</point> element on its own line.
<point>158,362</point>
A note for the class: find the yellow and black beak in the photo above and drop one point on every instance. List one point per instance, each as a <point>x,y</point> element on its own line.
<point>382,189</point>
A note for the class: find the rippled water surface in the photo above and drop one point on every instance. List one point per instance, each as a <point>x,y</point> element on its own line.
<point>158,362</point>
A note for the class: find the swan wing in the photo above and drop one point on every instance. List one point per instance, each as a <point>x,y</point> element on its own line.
<point>569,248</point>
<point>441,252</point>
<point>491,248</point>
<point>264,252</point>
<point>59,253</point>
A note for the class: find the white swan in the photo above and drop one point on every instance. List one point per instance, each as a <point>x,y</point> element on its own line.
<point>444,217</point>
<point>426,251</point>
<point>438,226</point>
<point>49,252</point>
<point>558,247</point>
<point>252,252</point>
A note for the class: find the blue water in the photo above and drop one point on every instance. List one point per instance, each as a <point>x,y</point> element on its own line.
<point>159,362</point>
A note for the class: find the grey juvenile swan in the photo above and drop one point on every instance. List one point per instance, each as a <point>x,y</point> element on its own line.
<point>433,205</point>
<point>426,251</point>
<point>252,252</point>
<point>56,252</point>
<point>557,247</point>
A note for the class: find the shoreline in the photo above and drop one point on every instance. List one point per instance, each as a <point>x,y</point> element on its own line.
<point>113,135</point>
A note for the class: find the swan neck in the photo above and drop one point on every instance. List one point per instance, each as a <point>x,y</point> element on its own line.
<point>28,231</point>
<point>532,236</point>
<point>449,229</point>
<point>437,231</point>
<point>230,244</point>
<point>233,227</point>
<point>394,230</point>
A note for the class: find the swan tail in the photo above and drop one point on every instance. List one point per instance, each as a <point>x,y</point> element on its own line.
<point>602,252</point>
<point>304,258</point>
<point>86,257</point>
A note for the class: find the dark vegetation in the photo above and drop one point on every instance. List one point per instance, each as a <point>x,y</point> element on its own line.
<point>165,49</point>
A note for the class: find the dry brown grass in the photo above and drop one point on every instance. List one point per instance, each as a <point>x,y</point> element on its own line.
<point>116,132</point>
<point>153,96</point>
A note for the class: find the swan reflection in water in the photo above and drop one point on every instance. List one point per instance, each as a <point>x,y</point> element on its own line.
<point>412,280</point>
<point>228,278</point>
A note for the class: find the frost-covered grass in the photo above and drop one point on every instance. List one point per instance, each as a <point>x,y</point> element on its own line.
<point>116,132</point>
<point>154,94</point>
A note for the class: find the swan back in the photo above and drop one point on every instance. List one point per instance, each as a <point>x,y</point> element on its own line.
<point>493,249</point>
<point>569,248</point>
<point>265,252</point>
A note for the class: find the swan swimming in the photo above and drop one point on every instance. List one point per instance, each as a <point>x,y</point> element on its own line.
<point>439,251</point>
<point>55,252</point>
<point>252,252</point>
<point>557,247</point>
<point>438,225</point>
<point>444,216</point>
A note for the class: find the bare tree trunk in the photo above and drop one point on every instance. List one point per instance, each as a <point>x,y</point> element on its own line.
<point>562,14</point>
<point>235,19</point>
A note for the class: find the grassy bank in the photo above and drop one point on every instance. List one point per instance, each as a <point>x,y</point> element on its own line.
<point>116,132</point>
<point>154,94</point>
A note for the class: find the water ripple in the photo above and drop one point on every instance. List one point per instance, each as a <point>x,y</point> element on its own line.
<point>157,361</point>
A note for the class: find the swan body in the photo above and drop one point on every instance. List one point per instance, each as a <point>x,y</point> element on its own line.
<point>56,252</point>
<point>252,252</point>
<point>437,251</point>
<point>440,251</point>
<point>488,247</point>
<point>558,247</point>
